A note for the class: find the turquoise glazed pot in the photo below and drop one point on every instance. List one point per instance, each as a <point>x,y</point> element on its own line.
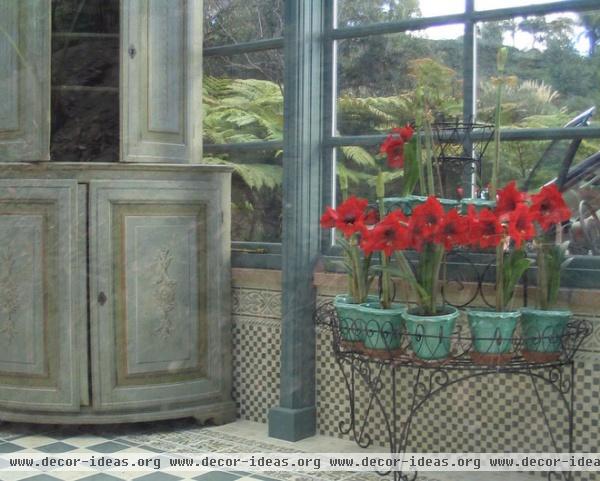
<point>430,335</point>
<point>350,317</point>
<point>408,203</point>
<point>382,327</point>
<point>479,204</point>
<point>542,330</point>
<point>492,332</point>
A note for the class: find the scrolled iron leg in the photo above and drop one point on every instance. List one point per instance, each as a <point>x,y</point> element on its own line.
<point>566,390</point>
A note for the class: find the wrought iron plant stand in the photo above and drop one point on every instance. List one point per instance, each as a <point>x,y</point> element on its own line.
<point>371,367</point>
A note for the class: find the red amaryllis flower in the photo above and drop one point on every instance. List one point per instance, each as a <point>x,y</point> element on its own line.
<point>454,230</point>
<point>329,218</point>
<point>489,229</point>
<point>425,222</point>
<point>405,132</point>
<point>520,225</point>
<point>349,217</point>
<point>393,147</point>
<point>548,207</point>
<point>472,220</point>
<point>508,200</point>
<point>390,235</point>
<point>371,216</point>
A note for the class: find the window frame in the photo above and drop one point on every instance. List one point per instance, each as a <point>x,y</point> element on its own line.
<point>268,255</point>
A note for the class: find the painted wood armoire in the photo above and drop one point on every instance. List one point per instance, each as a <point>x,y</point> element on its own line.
<point>114,276</point>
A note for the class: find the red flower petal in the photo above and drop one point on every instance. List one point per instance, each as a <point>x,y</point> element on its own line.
<point>520,225</point>
<point>549,208</point>
<point>489,229</point>
<point>508,200</point>
<point>393,147</point>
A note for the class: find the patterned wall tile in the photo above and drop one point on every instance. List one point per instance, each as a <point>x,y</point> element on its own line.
<point>256,366</point>
<point>591,346</point>
<point>256,302</point>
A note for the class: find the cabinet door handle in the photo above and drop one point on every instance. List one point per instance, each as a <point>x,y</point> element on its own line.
<point>102,298</point>
<point>131,51</point>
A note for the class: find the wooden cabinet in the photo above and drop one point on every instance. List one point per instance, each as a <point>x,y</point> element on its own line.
<point>145,251</point>
<point>114,277</point>
<point>161,80</point>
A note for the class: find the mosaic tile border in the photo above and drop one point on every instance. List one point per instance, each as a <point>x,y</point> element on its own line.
<point>256,302</point>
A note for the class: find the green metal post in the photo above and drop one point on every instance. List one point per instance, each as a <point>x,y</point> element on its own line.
<point>295,417</point>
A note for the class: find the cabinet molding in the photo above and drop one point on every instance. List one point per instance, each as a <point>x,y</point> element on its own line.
<point>161,81</point>
<point>158,252</point>
<point>115,292</point>
<point>24,80</point>
<point>39,295</point>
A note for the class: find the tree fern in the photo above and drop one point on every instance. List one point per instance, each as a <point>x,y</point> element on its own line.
<point>255,176</point>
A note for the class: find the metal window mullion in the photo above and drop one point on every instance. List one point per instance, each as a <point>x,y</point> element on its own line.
<point>411,24</point>
<point>243,146</point>
<point>245,47</point>
<point>567,133</point>
<point>399,26</point>
<point>541,9</point>
<point>469,87</point>
<point>329,114</point>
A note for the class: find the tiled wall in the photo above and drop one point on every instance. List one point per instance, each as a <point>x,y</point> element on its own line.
<point>496,413</point>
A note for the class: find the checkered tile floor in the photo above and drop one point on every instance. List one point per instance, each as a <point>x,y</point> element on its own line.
<point>184,436</point>
<point>179,436</point>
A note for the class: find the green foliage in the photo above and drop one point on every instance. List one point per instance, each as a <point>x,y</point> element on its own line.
<point>242,110</point>
<point>551,260</point>
<point>411,167</point>
<point>514,266</point>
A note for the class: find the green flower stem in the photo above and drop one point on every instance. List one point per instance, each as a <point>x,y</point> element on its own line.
<point>386,280</point>
<point>352,290</point>
<point>496,164</point>
<point>419,152</point>
<point>542,277</point>
<point>428,160</point>
<point>501,59</point>
<point>407,272</point>
<point>500,277</point>
<point>358,272</point>
<point>428,273</point>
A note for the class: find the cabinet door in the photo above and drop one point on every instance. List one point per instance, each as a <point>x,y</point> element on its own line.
<point>160,325</point>
<point>161,92</point>
<point>24,80</point>
<point>39,298</point>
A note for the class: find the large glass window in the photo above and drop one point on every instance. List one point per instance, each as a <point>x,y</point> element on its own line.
<point>243,111</point>
<point>553,58</point>
<point>374,53</point>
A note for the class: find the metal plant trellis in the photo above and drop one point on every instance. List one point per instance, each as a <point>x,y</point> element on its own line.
<point>460,147</point>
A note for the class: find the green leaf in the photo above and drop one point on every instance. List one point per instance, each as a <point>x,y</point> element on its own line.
<point>515,266</point>
<point>411,167</point>
<point>255,176</point>
<point>359,156</point>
